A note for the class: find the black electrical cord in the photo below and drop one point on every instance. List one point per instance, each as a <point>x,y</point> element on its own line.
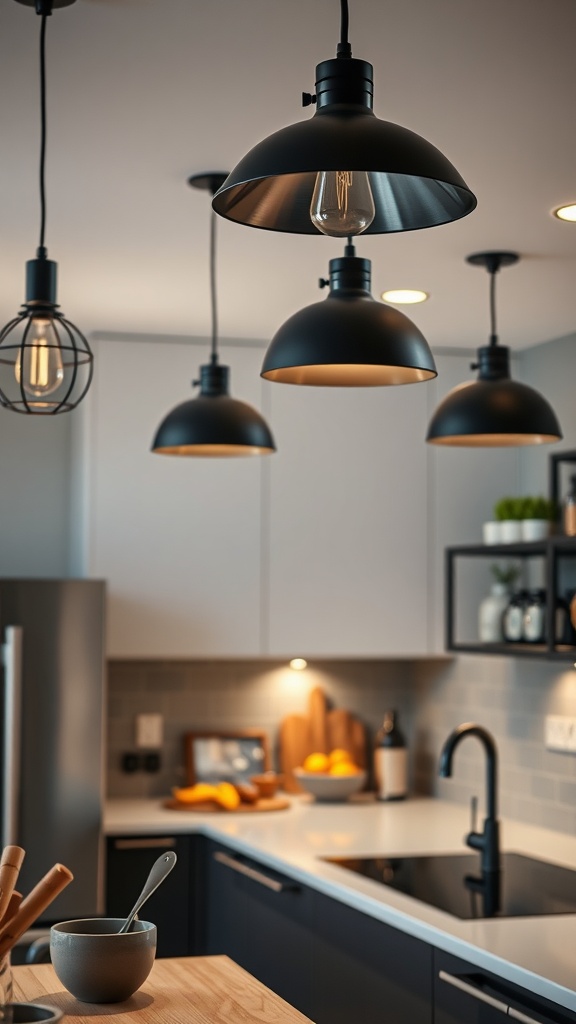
<point>214,356</point>
<point>493,335</point>
<point>344,20</point>
<point>42,128</point>
<point>344,49</point>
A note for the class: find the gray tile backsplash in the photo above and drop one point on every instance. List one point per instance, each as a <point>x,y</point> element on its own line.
<point>197,695</point>
<point>509,696</point>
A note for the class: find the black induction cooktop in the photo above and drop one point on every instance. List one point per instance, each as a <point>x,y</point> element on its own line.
<point>524,887</point>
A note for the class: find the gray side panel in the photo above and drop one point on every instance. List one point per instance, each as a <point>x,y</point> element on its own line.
<point>61,792</point>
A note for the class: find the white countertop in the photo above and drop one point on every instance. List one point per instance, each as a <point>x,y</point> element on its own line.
<point>537,953</point>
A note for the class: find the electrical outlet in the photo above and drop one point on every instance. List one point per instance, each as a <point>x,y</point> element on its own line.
<point>149,730</point>
<point>560,733</point>
<point>130,763</point>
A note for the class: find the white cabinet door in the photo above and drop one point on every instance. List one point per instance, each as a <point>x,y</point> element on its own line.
<point>348,522</point>
<point>177,539</point>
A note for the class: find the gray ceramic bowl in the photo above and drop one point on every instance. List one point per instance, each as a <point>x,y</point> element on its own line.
<point>324,786</point>
<point>96,964</point>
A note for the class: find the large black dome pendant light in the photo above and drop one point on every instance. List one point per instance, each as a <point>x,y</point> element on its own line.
<point>349,339</point>
<point>493,411</point>
<point>213,423</point>
<point>344,171</point>
<point>45,361</point>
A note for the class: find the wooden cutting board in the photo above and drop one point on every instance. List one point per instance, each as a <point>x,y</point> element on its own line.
<point>273,803</point>
<point>294,745</point>
<point>320,730</point>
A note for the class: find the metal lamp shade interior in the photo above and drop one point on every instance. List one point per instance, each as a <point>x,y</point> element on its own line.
<point>213,426</point>
<point>413,184</point>
<point>497,413</point>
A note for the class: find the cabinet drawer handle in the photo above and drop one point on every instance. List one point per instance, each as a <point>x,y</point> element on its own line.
<point>476,993</point>
<point>522,1017</point>
<point>256,876</point>
<point>163,843</point>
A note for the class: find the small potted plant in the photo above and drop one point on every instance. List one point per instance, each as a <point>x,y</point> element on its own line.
<point>538,514</point>
<point>508,513</point>
<point>492,608</point>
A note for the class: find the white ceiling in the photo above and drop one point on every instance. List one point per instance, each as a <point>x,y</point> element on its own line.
<point>143,93</point>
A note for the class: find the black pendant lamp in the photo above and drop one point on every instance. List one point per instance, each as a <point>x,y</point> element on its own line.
<point>344,171</point>
<point>349,339</point>
<point>493,411</point>
<point>45,361</point>
<point>213,423</point>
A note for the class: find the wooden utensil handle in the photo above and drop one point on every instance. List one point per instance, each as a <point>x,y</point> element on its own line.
<point>10,864</point>
<point>13,904</point>
<point>40,897</point>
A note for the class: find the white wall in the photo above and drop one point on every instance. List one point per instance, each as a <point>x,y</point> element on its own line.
<point>34,494</point>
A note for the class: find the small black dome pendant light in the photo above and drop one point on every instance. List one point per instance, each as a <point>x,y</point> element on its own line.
<point>349,339</point>
<point>45,361</point>
<point>493,411</point>
<point>213,423</point>
<point>344,171</point>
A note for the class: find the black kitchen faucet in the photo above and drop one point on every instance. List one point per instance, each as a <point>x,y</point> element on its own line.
<point>487,841</point>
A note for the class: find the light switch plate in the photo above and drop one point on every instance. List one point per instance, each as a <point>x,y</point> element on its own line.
<point>149,731</point>
<point>560,733</point>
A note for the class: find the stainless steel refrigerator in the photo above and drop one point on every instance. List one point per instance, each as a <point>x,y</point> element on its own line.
<point>52,734</point>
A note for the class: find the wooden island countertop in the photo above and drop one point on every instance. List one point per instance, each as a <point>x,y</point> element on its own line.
<point>183,990</point>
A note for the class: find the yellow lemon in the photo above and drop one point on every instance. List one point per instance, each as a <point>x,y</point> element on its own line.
<point>227,796</point>
<point>316,763</point>
<point>197,794</point>
<point>338,755</point>
<point>344,768</point>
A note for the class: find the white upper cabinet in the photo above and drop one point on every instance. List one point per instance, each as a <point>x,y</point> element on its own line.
<point>332,547</point>
<point>178,539</point>
<point>348,551</point>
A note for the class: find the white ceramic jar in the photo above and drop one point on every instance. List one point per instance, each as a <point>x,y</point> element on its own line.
<point>490,614</point>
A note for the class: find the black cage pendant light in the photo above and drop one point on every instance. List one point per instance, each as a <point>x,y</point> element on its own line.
<point>348,339</point>
<point>45,361</point>
<point>493,411</point>
<point>344,171</point>
<point>213,423</point>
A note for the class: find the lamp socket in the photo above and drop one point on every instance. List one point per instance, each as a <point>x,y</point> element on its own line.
<point>149,731</point>
<point>560,733</point>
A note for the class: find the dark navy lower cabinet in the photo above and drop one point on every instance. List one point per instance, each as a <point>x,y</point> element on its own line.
<point>331,962</point>
<point>366,971</point>
<point>128,862</point>
<point>464,994</point>
<point>261,919</point>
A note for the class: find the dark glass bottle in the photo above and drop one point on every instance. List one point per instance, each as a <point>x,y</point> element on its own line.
<point>390,760</point>
<point>534,617</point>
<point>513,618</point>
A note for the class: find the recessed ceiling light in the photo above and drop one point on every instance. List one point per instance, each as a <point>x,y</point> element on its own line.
<point>405,296</point>
<point>566,212</point>
<point>298,664</point>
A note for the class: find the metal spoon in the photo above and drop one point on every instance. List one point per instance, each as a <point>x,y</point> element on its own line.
<point>160,868</point>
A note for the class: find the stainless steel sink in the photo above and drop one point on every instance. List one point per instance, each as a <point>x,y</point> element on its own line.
<point>524,886</point>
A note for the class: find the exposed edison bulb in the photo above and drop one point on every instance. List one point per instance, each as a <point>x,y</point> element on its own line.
<point>342,203</point>
<point>41,370</point>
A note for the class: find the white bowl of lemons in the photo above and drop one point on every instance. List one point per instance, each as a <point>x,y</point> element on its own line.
<point>332,776</point>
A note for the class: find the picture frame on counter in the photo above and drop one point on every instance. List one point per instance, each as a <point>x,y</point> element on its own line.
<point>225,756</point>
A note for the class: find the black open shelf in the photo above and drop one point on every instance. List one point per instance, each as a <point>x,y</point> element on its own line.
<point>552,549</point>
